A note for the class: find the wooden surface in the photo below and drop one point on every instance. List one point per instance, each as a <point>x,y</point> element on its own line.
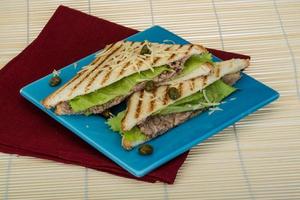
<point>258,158</point>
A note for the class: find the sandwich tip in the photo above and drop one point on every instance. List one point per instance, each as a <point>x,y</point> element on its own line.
<point>126,144</point>
<point>58,110</point>
<point>45,104</point>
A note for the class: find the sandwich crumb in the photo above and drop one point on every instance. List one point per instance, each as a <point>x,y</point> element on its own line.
<point>55,72</point>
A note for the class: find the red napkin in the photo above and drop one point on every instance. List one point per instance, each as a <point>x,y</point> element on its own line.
<point>68,36</point>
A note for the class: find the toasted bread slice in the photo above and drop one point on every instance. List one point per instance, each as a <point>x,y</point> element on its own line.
<point>143,104</point>
<point>117,61</point>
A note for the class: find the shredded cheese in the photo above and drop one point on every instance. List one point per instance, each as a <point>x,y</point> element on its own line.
<point>166,41</point>
<point>157,98</point>
<point>205,96</point>
<point>214,109</point>
<point>84,68</point>
<point>103,52</point>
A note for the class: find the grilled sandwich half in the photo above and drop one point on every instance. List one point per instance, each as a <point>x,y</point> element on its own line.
<point>122,69</point>
<point>150,114</point>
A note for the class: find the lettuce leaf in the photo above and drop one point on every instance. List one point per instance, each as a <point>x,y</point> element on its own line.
<point>214,92</point>
<point>193,62</point>
<point>130,138</point>
<point>119,88</point>
<point>115,122</point>
<point>133,137</point>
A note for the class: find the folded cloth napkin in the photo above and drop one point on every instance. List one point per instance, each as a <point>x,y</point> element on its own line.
<point>25,130</point>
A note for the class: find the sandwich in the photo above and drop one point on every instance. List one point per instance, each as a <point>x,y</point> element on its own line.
<point>123,68</point>
<point>152,113</point>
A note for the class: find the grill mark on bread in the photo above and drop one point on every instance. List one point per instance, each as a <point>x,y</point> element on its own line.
<point>155,60</point>
<point>83,74</point>
<point>217,71</point>
<point>107,48</point>
<point>139,105</point>
<point>172,56</point>
<point>84,77</point>
<point>189,49</point>
<point>191,84</point>
<point>166,97</point>
<point>107,55</point>
<point>126,112</point>
<point>123,69</point>
<point>64,86</point>
<point>59,90</point>
<point>138,64</point>
<point>179,47</point>
<point>204,80</point>
<point>152,102</point>
<point>210,66</point>
<point>89,73</point>
<point>201,48</point>
<point>96,60</point>
<point>96,75</point>
<point>180,89</point>
<point>105,78</point>
<point>168,48</point>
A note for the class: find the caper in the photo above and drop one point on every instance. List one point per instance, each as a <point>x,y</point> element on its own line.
<point>173,93</point>
<point>54,81</point>
<point>145,50</point>
<point>149,86</point>
<point>146,149</point>
<point>107,114</point>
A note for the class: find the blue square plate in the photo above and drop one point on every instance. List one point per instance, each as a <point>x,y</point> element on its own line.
<point>251,96</point>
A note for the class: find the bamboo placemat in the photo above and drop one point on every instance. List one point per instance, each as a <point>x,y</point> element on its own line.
<point>258,158</point>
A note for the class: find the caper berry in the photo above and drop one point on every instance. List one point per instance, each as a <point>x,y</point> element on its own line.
<point>107,114</point>
<point>54,81</point>
<point>146,149</point>
<point>145,50</point>
<point>173,93</point>
<point>149,86</point>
